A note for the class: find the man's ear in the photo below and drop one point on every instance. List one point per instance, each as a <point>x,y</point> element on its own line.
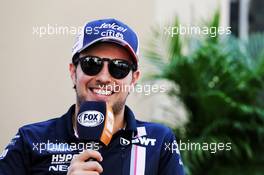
<point>72,70</point>
<point>135,77</point>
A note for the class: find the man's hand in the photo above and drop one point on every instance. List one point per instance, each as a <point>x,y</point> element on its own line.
<point>79,166</point>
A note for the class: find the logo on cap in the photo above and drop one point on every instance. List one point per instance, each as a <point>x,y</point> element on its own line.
<point>106,30</point>
<point>90,118</point>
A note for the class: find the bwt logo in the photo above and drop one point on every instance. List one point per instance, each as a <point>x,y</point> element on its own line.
<point>90,118</point>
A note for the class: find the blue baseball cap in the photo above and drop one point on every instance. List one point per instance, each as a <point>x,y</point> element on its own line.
<point>107,30</point>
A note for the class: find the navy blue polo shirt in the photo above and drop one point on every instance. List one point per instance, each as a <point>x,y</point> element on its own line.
<point>48,147</point>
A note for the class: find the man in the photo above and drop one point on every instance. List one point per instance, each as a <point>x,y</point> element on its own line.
<point>104,55</point>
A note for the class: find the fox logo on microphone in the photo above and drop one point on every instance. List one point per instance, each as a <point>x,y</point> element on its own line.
<point>90,118</point>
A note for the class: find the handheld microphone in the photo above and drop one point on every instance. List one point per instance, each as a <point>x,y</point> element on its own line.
<point>95,122</point>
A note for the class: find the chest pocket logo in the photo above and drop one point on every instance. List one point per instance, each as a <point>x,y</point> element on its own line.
<point>140,140</point>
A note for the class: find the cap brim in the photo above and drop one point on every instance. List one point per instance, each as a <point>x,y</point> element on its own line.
<point>112,40</point>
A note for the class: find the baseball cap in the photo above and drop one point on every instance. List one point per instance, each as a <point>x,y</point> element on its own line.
<point>107,30</point>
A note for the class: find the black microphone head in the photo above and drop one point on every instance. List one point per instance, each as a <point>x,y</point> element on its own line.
<point>95,122</point>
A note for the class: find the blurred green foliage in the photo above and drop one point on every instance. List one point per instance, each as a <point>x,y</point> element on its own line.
<point>221,83</point>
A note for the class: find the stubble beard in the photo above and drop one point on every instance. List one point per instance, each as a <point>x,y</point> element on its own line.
<point>117,106</point>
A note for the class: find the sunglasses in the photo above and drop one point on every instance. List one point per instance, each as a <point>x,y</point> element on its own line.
<point>118,68</point>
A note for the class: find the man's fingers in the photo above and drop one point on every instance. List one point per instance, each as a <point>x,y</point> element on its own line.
<point>91,166</point>
<point>81,165</point>
<point>86,172</point>
<point>87,154</point>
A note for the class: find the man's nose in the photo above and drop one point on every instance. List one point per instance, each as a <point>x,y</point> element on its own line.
<point>104,76</point>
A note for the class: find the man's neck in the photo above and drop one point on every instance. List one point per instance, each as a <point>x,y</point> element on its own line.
<point>119,122</point>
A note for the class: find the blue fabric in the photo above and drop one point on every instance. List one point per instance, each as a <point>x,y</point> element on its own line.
<point>107,30</point>
<point>48,147</point>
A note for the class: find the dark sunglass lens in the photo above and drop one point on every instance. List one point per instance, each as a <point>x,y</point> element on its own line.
<point>119,69</point>
<point>91,65</point>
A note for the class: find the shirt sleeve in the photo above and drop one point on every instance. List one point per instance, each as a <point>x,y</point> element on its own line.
<point>170,160</point>
<point>13,159</point>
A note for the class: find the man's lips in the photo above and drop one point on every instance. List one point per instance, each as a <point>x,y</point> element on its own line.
<point>100,91</point>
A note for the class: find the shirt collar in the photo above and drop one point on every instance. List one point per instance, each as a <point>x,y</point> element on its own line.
<point>130,120</point>
<point>64,126</point>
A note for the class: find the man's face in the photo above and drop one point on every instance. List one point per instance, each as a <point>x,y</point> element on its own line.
<point>100,87</point>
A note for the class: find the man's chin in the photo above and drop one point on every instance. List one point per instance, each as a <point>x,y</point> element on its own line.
<point>80,100</point>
